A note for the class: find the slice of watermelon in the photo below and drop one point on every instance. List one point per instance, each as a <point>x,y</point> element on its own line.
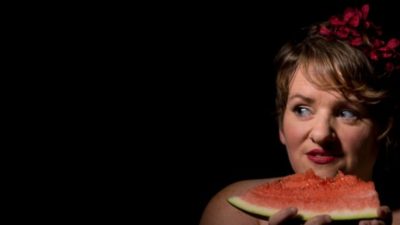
<point>344,197</point>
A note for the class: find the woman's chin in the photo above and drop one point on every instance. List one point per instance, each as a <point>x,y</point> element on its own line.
<point>325,173</point>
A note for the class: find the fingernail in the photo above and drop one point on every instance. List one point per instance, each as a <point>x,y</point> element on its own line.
<point>328,219</point>
<point>293,210</point>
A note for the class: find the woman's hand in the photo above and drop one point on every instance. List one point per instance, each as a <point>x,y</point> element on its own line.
<point>282,216</point>
<point>288,216</point>
<point>385,217</point>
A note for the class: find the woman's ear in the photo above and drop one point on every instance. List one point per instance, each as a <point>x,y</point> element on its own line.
<point>383,132</point>
<point>282,136</point>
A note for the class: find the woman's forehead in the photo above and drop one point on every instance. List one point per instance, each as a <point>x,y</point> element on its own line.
<point>302,83</point>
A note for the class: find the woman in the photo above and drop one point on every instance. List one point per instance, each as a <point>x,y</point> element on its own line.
<point>337,104</point>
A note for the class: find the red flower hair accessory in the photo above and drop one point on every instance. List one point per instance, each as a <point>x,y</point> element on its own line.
<point>354,28</point>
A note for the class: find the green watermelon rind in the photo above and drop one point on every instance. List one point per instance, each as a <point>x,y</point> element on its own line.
<point>243,205</point>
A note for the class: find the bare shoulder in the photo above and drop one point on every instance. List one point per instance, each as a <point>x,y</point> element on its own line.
<point>219,211</point>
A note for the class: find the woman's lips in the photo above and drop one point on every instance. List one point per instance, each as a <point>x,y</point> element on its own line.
<point>320,156</point>
<point>319,159</point>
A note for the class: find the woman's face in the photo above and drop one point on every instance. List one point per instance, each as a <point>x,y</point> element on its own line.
<point>325,132</point>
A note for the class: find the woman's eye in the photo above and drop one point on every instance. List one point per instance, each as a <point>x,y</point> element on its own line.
<point>348,114</point>
<point>302,111</point>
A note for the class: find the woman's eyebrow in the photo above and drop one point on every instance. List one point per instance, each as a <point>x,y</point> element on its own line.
<point>309,100</point>
<point>302,97</point>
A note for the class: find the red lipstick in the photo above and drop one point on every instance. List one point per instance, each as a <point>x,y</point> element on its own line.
<point>320,156</point>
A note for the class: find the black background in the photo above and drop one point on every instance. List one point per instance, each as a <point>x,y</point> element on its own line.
<point>199,104</point>
<point>216,116</point>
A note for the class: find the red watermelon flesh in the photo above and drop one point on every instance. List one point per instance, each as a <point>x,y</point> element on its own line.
<point>344,197</point>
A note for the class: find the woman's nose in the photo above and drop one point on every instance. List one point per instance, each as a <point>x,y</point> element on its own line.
<point>323,130</point>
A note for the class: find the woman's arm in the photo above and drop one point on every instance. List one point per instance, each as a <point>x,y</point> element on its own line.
<point>396,217</point>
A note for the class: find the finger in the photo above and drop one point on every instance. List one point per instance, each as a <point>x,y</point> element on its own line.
<point>385,214</point>
<point>372,222</point>
<point>377,222</point>
<point>317,220</point>
<point>384,211</point>
<point>365,222</point>
<point>283,215</point>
